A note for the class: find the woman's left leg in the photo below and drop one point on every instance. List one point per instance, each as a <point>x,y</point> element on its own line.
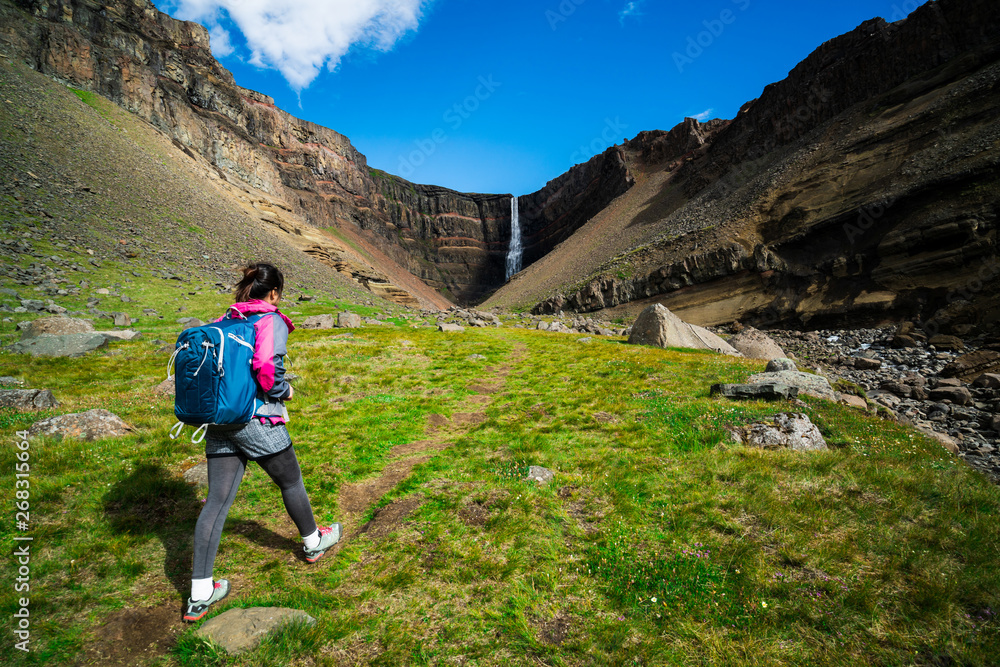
<point>284,469</point>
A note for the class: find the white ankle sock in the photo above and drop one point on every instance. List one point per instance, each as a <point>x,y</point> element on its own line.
<point>202,589</point>
<point>311,541</point>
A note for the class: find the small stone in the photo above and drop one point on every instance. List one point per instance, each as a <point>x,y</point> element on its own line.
<point>791,430</point>
<point>540,475</point>
<point>854,401</point>
<point>475,357</point>
<point>867,364</point>
<point>778,365</point>
<point>27,399</point>
<point>238,630</point>
<point>957,395</point>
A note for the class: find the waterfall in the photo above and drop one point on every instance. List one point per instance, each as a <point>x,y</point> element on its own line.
<point>515,250</point>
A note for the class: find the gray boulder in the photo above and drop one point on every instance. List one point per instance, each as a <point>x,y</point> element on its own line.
<point>806,383</point>
<point>89,425</point>
<point>771,391</point>
<point>755,344</point>
<point>69,345</point>
<point>191,323</point>
<point>127,334</point>
<point>781,364</point>
<point>57,326</point>
<point>239,630</point>
<point>452,328</point>
<point>27,399</point>
<point>349,321</point>
<point>788,430</point>
<point>540,475</point>
<point>659,327</point>
<point>318,322</point>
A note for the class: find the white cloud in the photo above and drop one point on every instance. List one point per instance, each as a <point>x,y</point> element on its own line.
<point>630,9</point>
<point>704,115</point>
<point>301,37</point>
<point>221,44</point>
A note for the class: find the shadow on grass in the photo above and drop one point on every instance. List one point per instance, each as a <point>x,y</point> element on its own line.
<point>264,537</point>
<point>153,502</point>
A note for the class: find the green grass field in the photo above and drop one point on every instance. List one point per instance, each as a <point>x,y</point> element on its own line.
<point>657,543</point>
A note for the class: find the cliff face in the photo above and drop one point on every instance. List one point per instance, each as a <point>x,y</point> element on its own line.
<point>162,70</point>
<point>860,189</point>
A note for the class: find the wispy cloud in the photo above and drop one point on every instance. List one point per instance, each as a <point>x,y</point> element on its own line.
<point>630,9</point>
<point>301,37</point>
<point>704,115</point>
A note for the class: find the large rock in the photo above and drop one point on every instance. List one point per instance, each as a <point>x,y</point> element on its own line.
<point>127,334</point>
<point>957,395</point>
<point>324,321</point>
<point>90,425</point>
<point>58,326</point>
<point>659,327</point>
<point>787,430</point>
<point>806,383</point>
<point>69,345</point>
<point>450,328</point>
<point>27,399</point>
<point>349,321</point>
<point>755,392</point>
<point>239,630</point>
<point>970,366</point>
<point>988,380</point>
<point>946,342</point>
<point>755,344</point>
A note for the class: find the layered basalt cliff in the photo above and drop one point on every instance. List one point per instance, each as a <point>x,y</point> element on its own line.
<point>162,70</point>
<point>862,188</point>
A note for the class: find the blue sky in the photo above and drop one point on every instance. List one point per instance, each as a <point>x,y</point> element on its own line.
<point>485,96</point>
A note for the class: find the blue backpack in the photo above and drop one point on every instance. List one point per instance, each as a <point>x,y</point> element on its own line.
<point>213,375</point>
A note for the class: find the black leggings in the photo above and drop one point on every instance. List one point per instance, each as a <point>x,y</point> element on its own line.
<point>224,476</point>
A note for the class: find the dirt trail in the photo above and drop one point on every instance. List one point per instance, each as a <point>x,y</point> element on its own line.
<point>441,432</point>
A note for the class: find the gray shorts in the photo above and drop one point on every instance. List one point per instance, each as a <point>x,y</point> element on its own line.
<point>254,440</point>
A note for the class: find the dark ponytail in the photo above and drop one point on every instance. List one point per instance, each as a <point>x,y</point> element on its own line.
<point>258,281</point>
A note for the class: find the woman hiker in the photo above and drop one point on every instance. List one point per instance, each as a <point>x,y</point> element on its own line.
<point>264,440</point>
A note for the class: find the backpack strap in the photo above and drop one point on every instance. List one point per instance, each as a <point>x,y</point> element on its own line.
<point>237,311</point>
